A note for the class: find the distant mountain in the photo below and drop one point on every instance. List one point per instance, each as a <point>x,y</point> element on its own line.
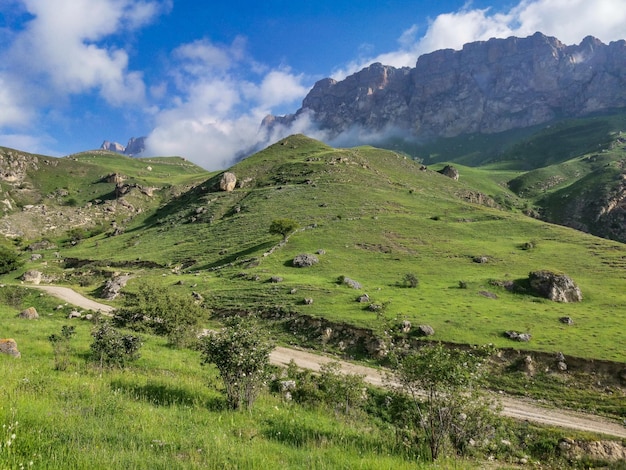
<point>487,87</point>
<point>135,146</point>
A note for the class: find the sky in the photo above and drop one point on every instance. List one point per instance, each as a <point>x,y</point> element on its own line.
<point>197,78</point>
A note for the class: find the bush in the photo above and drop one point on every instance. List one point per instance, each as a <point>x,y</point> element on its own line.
<point>9,260</point>
<point>411,280</point>
<point>112,348</point>
<point>283,227</point>
<point>61,346</point>
<point>241,352</point>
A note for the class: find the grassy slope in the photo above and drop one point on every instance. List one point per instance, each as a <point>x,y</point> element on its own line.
<point>374,214</point>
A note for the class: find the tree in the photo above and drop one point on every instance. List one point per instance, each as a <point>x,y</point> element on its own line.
<point>283,227</point>
<point>241,352</point>
<point>9,260</point>
<point>112,348</point>
<point>162,312</point>
<point>411,280</point>
<point>442,401</point>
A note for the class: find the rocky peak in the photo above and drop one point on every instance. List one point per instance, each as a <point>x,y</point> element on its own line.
<point>135,146</point>
<point>486,87</point>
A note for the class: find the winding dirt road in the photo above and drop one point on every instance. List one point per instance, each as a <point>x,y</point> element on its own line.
<point>524,410</point>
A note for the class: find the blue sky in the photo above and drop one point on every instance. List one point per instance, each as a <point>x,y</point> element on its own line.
<point>197,78</point>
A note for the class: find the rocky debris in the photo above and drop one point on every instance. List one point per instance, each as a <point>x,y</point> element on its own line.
<point>566,320</point>
<point>35,257</point>
<point>556,287</point>
<point>29,314</point>
<point>41,245</point>
<point>606,451</point>
<point>304,260</point>
<point>514,335</point>
<point>527,365</point>
<point>228,182</point>
<point>425,330</point>
<point>197,296</point>
<point>350,282</point>
<point>363,298</point>
<point>115,178</point>
<point>276,279</point>
<point>113,286</point>
<point>377,348</point>
<point>74,314</point>
<point>450,172</point>
<point>308,301</point>
<point>32,276</point>
<point>480,259</point>
<point>374,307</point>
<point>486,87</point>
<point>406,326</point>
<point>9,346</point>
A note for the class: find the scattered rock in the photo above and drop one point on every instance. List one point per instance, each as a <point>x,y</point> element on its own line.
<point>9,346</point>
<point>113,286</point>
<point>374,307</point>
<point>308,301</point>
<point>480,259</point>
<point>363,298</point>
<point>305,260</point>
<point>489,295</point>
<point>556,287</point>
<point>32,276</point>
<point>350,282</point>
<point>293,291</point>
<point>30,314</point>
<point>425,330</point>
<point>197,296</point>
<point>228,182</point>
<point>35,257</point>
<point>566,320</point>
<point>276,279</point>
<point>450,172</point>
<point>74,314</point>
<point>406,326</point>
<point>321,252</point>
<point>514,335</point>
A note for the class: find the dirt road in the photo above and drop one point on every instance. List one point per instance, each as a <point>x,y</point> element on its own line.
<point>524,410</point>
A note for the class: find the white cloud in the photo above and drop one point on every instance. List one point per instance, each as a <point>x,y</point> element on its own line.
<point>568,20</point>
<point>215,110</point>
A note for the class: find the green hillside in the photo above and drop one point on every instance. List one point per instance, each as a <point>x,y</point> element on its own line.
<point>377,216</point>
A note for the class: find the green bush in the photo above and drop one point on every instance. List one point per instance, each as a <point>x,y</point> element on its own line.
<point>9,260</point>
<point>112,348</point>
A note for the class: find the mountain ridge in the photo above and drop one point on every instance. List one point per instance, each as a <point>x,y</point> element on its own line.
<point>486,87</point>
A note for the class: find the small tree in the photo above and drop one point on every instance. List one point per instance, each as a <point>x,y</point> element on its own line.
<point>241,353</point>
<point>411,280</point>
<point>163,312</point>
<point>61,346</point>
<point>284,227</point>
<point>9,260</point>
<point>441,399</point>
<point>112,348</point>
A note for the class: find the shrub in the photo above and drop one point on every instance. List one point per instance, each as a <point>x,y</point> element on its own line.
<point>61,346</point>
<point>283,227</point>
<point>112,348</point>
<point>241,352</point>
<point>411,280</point>
<point>9,260</point>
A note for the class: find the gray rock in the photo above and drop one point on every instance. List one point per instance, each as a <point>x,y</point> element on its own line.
<point>406,326</point>
<point>514,335</point>
<point>363,298</point>
<point>228,182</point>
<point>351,283</point>
<point>425,330</point>
<point>450,172</point>
<point>276,279</point>
<point>566,320</point>
<point>32,276</point>
<point>305,260</point>
<point>556,287</point>
<point>29,314</point>
<point>308,301</point>
<point>113,286</point>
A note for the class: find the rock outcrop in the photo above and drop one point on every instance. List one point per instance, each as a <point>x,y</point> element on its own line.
<point>228,182</point>
<point>9,346</point>
<point>556,287</point>
<point>135,146</point>
<point>487,87</point>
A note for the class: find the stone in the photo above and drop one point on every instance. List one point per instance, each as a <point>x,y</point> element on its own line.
<point>351,283</point>
<point>553,286</point>
<point>480,259</point>
<point>566,320</point>
<point>228,182</point>
<point>450,172</point>
<point>304,260</point>
<point>276,279</point>
<point>406,326</point>
<point>112,287</point>
<point>32,276</point>
<point>74,314</point>
<point>30,314</point>
<point>363,298</point>
<point>425,330</point>
<point>9,346</point>
<point>514,335</point>
<point>308,301</point>
<point>561,366</point>
<point>35,257</point>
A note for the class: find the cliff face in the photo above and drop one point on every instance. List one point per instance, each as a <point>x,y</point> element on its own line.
<point>486,87</point>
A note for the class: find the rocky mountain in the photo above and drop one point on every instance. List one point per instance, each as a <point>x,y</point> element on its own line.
<point>135,146</point>
<point>487,87</point>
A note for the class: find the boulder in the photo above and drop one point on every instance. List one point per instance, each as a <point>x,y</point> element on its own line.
<point>406,326</point>
<point>363,298</point>
<point>305,260</point>
<point>30,314</point>
<point>113,286</point>
<point>514,335</point>
<point>351,282</point>
<point>276,279</point>
<point>425,330</point>
<point>228,182</point>
<point>450,172</point>
<point>566,320</point>
<point>32,276</point>
<point>308,301</point>
<point>556,287</point>
<point>9,346</point>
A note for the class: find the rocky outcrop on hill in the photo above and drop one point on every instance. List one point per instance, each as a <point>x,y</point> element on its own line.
<point>135,146</point>
<point>556,287</point>
<point>487,87</point>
